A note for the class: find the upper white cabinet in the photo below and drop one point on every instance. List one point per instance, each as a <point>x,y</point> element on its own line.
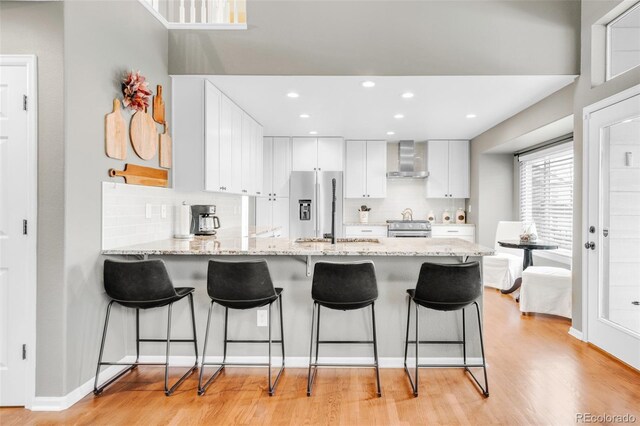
<point>366,169</point>
<point>309,154</point>
<point>448,166</point>
<point>218,146</point>
<point>277,167</point>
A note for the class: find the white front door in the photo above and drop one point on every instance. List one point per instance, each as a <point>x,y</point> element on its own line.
<point>613,234</point>
<point>14,243</point>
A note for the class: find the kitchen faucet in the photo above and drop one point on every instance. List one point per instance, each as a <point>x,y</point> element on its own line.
<point>407,214</point>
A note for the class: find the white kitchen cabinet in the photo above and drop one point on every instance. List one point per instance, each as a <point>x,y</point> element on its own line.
<point>465,232</point>
<point>217,146</point>
<point>258,186</point>
<point>331,154</point>
<point>324,154</point>
<point>277,167</point>
<point>272,213</point>
<point>366,169</point>
<point>212,107</point>
<point>448,166</point>
<point>365,231</point>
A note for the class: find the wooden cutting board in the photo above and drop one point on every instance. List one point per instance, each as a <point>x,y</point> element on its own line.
<point>144,136</point>
<point>115,132</point>
<point>165,148</point>
<point>140,175</point>
<point>158,106</point>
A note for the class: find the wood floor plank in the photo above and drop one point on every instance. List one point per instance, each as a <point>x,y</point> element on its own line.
<point>538,374</point>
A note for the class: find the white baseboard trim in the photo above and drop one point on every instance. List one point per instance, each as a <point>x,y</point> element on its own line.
<point>59,403</point>
<point>576,333</point>
<point>46,403</point>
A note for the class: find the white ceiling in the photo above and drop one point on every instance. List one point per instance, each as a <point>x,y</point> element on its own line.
<point>340,106</point>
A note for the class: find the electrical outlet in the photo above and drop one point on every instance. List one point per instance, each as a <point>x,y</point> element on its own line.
<point>263,318</point>
<point>147,211</point>
<point>163,211</point>
<point>469,208</point>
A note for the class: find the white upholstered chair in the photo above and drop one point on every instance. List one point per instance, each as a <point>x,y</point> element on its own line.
<point>546,290</point>
<point>502,269</point>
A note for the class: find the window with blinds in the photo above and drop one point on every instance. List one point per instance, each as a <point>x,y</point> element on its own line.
<point>546,193</point>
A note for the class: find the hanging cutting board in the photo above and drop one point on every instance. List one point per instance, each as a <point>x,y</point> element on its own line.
<point>140,175</point>
<point>165,148</point>
<point>144,136</point>
<point>115,132</point>
<point>158,107</point>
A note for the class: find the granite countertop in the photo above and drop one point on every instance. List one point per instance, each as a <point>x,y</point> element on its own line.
<point>285,247</point>
<point>453,224</point>
<point>386,224</point>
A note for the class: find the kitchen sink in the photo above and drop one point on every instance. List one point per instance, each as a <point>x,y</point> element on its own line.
<point>338,240</point>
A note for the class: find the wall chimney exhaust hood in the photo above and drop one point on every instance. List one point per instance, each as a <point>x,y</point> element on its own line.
<point>406,163</point>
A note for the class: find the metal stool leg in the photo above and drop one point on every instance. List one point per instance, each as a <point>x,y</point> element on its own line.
<point>375,348</point>
<point>485,389</point>
<point>97,390</point>
<point>464,339</point>
<point>137,336</point>
<point>415,390</point>
<point>309,376</point>
<point>269,373</point>
<point>166,366</point>
<point>193,324</point>
<point>201,388</point>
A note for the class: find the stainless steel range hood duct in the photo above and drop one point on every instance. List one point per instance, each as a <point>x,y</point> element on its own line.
<point>406,163</point>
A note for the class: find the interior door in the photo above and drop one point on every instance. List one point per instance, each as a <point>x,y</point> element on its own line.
<point>376,169</point>
<point>613,236</point>
<point>13,243</point>
<point>355,172</point>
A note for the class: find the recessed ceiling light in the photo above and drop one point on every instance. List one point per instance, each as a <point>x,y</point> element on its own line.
<point>293,95</point>
<point>313,132</point>
<point>304,116</point>
<point>368,83</point>
<point>398,116</point>
<point>391,133</point>
<point>471,116</point>
<point>407,95</point>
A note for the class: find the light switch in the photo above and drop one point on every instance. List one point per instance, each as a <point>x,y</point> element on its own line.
<point>263,318</point>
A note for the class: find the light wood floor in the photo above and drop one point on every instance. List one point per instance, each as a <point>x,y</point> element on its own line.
<point>538,375</point>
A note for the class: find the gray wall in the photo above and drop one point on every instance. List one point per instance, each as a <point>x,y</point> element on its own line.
<point>18,24</point>
<point>98,51</point>
<point>493,195</point>
<point>388,38</point>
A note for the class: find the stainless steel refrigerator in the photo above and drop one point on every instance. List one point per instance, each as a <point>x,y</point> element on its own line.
<point>310,204</point>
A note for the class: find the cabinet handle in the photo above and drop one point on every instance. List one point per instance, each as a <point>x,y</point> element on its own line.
<point>366,230</point>
<point>274,195</point>
<point>455,230</point>
<point>636,302</point>
<point>315,168</point>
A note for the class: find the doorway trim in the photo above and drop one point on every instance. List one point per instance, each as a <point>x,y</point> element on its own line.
<point>31,64</point>
<point>586,116</point>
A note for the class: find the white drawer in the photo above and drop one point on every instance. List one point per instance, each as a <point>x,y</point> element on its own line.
<point>467,233</point>
<point>365,231</point>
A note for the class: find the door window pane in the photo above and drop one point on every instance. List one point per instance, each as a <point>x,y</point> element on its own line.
<point>623,42</point>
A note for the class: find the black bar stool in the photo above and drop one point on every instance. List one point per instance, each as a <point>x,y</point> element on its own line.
<point>446,288</point>
<point>143,285</point>
<point>241,285</point>
<point>343,286</point>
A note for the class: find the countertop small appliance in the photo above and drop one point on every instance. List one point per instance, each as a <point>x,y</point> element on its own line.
<point>204,221</point>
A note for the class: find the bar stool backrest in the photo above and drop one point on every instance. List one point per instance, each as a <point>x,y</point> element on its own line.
<point>448,287</point>
<point>353,282</point>
<point>239,281</point>
<point>140,281</point>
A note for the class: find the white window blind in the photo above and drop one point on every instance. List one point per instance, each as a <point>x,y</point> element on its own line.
<point>546,193</point>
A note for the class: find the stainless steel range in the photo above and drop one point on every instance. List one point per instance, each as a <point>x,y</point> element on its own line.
<point>409,228</point>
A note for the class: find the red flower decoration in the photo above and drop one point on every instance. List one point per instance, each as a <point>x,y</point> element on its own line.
<point>135,91</point>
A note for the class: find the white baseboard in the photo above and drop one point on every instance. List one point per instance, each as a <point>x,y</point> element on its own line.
<point>45,403</point>
<point>59,403</point>
<point>576,333</point>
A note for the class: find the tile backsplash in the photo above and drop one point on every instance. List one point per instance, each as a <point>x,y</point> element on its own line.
<point>401,193</point>
<point>124,212</point>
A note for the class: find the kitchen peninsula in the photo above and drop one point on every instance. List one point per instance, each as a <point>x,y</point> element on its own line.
<point>397,262</point>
